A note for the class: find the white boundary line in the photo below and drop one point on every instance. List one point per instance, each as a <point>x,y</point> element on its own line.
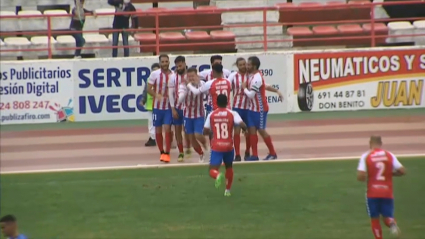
<point>145,166</point>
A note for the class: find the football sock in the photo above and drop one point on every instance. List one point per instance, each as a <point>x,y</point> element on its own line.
<point>198,150</point>
<point>376,228</point>
<point>270,146</point>
<point>237,143</point>
<point>389,221</point>
<point>229,178</point>
<point>168,138</point>
<point>159,142</point>
<point>180,146</point>
<point>248,143</point>
<point>187,139</point>
<point>213,173</point>
<point>254,144</point>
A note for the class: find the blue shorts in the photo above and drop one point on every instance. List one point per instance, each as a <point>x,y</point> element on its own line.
<point>256,119</point>
<point>242,113</point>
<point>221,157</point>
<point>180,120</point>
<point>194,126</point>
<point>380,206</point>
<point>161,117</point>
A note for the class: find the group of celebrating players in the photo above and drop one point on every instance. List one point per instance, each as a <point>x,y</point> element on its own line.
<point>179,101</point>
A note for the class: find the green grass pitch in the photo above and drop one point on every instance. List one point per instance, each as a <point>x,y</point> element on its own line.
<point>300,200</point>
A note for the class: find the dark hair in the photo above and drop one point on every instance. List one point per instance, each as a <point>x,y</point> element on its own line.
<point>155,65</point>
<point>222,101</point>
<point>217,68</point>
<point>192,69</point>
<point>163,55</point>
<point>179,59</point>
<point>254,61</point>
<point>238,60</point>
<point>215,57</point>
<point>8,218</point>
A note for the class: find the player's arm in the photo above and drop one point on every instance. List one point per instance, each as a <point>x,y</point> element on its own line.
<point>201,90</point>
<point>231,78</point>
<point>171,88</point>
<point>257,82</point>
<point>238,121</point>
<point>399,169</point>
<point>361,168</point>
<point>207,125</point>
<point>203,75</point>
<point>274,90</point>
<point>182,93</point>
<point>151,82</point>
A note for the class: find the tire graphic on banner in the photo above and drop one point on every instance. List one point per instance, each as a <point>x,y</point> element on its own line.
<point>305,97</point>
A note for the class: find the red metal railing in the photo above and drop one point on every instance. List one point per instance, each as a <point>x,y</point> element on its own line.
<point>156,14</point>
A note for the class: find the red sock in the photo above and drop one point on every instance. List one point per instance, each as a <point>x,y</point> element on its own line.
<point>254,144</point>
<point>198,150</point>
<point>159,142</point>
<point>376,228</point>
<point>180,146</point>
<point>270,146</point>
<point>229,178</point>
<point>237,143</point>
<point>389,221</point>
<point>168,139</point>
<point>213,173</point>
<point>248,143</point>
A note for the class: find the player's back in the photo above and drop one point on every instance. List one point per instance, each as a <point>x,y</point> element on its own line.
<point>220,86</point>
<point>222,123</point>
<point>380,166</point>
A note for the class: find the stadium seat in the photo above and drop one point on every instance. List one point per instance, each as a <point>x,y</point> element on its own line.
<point>41,42</point>
<point>300,33</point>
<point>174,19</point>
<point>381,32</point>
<point>419,29</point>
<point>223,36</point>
<point>131,42</point>
<point>207,19</point>
<point>96,40</point>
<point>64,41</point>
<point>400,28</point>
<point>58,23</point>
<point>325,32</point>
<point>351,30</point>
<point>106,20</point>
<point>9,24</point>
<point>18,43</point>
<point>148,21</point>
<point>34,23</point>
<point>198,37</point>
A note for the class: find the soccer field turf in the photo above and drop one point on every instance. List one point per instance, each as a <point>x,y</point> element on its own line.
<point>278,200</point>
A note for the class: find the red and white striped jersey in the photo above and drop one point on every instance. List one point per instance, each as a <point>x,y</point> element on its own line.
<point>240,100</point>
<point>221,122</point>
<point>214,88</point>
<point>193,104</point>
<point>174,84</point>
<point>257,97</point>
<point>160,81</point>
<point>207,75</point>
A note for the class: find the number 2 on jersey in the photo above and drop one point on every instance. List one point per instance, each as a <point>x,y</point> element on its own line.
<point>222,130</point>
<point>381,169</point>
<point>221,92</point>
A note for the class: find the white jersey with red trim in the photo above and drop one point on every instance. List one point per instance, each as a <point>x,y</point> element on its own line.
<point>240,100</point>
<point>207,75</point>
<point>160,81</point>
<point>174,84</point>
<point>194,104</point>
<point>258,103</point>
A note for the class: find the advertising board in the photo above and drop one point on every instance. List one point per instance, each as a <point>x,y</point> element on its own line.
<point>111,89</point>
<point>357,80</point>
<point>36,92</point>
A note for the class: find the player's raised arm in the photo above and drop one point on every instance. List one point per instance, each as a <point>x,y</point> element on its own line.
<point>361,168</point>
<point>257,82</point>
<point>202,90</point>
<point>274,90</point>
<point>207,125</point>
<point>398,168</point>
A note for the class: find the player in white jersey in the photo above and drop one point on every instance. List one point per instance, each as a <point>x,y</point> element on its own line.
<point>161,114</point>
<point>176,106</point>
<point>241,104</point>
<point>194,112</point>
<point>207,75</point>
